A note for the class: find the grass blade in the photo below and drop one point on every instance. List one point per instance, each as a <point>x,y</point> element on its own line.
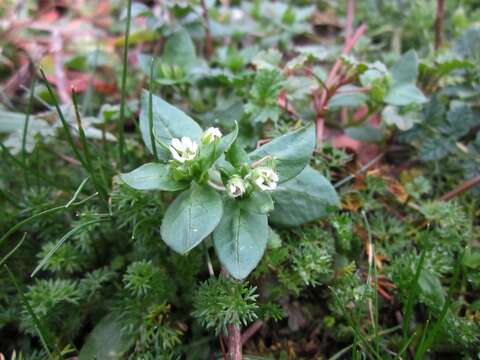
<point>60,242</point>
<point>43,213</point>
<point>121,121</point>
<point>42,332</point>
<point>6,257</point>
<point>425,345</point>
<point>66,125</point>
<point>27,120</point>
<point>408,311</point>
<point>88,157</point>
<point>150,111</point>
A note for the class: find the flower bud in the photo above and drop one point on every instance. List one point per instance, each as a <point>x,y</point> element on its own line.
<point>235,187</point>
<point>210,135</point>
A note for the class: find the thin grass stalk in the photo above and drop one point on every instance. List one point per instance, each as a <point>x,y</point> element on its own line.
<point>25,126</point>
<point>408,310</point>
<point>150,112</point>
<point>42,332</point>
<point>88,157</point>
<point>43,213</point>
<point>121,122</point>
<point>66,125</point>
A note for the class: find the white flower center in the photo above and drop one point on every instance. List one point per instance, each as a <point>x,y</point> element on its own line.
<point>265,178</point>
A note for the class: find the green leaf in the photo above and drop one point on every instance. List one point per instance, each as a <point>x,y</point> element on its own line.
<point>240,239</point>
<point>352,99</point>
<point>405,94</point>
<point>291,152</point>
<point>168,122</point>
<point>106,341</point>
<point>152,176</point>
<point>391,116</point>
<point>365,132</point>
<point>431,287</point>
<point>236,155</point>
<point>307,197</point>
<point>405,70</point>
<point>259,202</point>
<point>179,50</point>
<point>436,148</point>
<point>191,218</point>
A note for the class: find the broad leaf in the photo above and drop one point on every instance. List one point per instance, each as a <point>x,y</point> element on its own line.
<point>259,202</point>
<point>307,197</point>
<point>191,218</point>
<point>236,155</point>
<point>391,116</point>
<point>168,122</point>
<point>240,239</point>
<point>180,50</point>
<point>366,133</point>
<point>405,70</point>
<point>106,341</point>
<point>291,152</point>
<point>350,99</point>
<point>152,176</point>
<point>405,94</point>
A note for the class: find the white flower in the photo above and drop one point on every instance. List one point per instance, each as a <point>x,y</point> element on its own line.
<point>210,135</point>
<point>183,149</point>
<point>235,187</point>
<point>265,178</point>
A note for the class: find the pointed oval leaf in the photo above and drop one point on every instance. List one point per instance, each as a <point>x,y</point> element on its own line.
<point>191,218</point>
<point>404,95</point>
<point>168,122</point>
<point>291,152</point>
<point>306,197</point>
<point>240,239</point>
<point>405,70</point>
<point>152,176</point>
<point>106,341</point>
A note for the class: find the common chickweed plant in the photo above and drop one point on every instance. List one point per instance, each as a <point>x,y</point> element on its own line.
<point>223,191</point>
<point>240,179</point>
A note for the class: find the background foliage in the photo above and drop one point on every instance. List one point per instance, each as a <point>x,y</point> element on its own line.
<point>392,274</point>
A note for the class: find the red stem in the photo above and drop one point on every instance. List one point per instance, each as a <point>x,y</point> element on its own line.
<point>252,330</point>
<point>234,343</point>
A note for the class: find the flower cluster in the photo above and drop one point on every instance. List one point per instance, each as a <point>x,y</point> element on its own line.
<point>263,178</point>
<point>185,150</point>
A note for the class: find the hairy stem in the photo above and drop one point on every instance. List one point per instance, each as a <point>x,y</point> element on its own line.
<point>234,343</point>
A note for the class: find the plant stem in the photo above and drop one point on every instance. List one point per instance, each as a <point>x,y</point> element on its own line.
<point>234,343</point>
<point>208,35</point>
<point>439,24</point>
<point>121,122</point>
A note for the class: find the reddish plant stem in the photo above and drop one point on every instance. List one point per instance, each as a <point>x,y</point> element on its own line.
<point>321,98</point>
<point>252,330</point>
<point>439,23</point>
<point>349,24</point>
<point>208,34</point>
<point>234,343</point>
<point>467,185</point>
